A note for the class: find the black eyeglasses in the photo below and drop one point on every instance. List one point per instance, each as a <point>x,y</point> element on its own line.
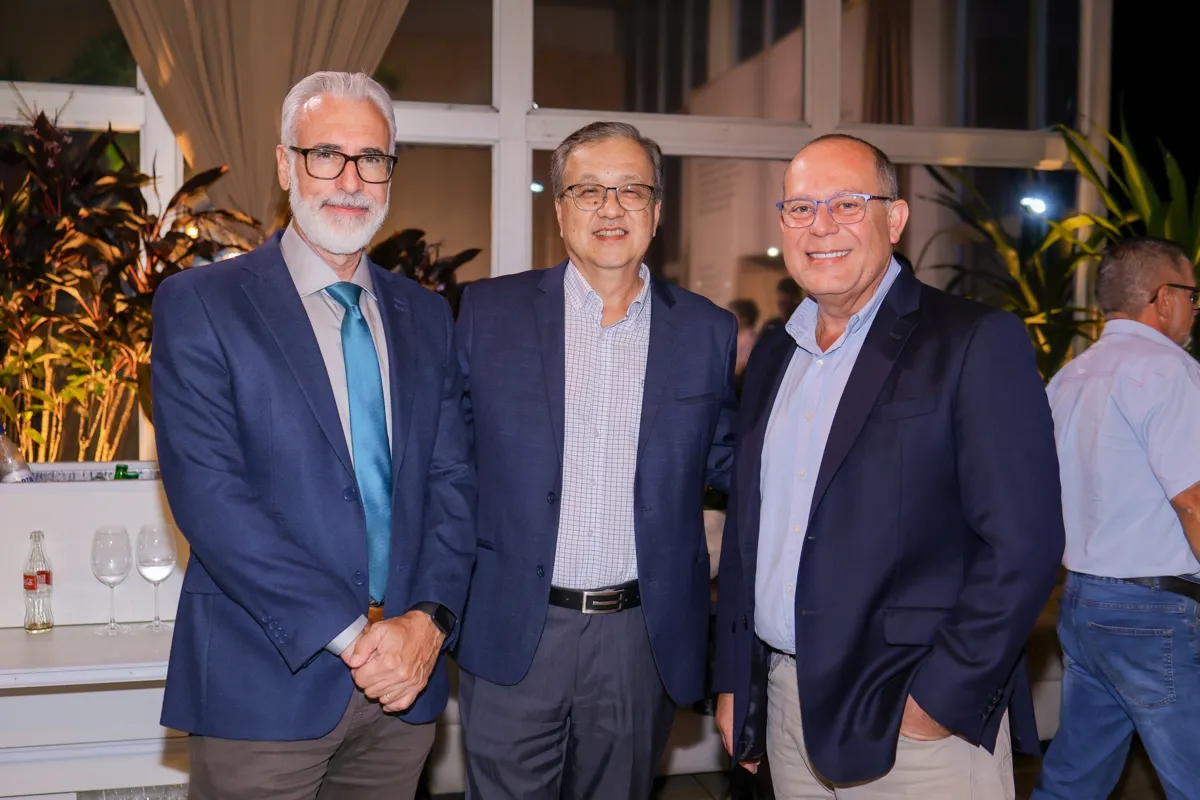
<point>846,209</point>
<point>328,165</point>
<point>591,196</point>
<point>1192,290</point>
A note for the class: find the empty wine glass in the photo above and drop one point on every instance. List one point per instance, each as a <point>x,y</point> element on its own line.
<point>155,562</point>
<point>111,562</point>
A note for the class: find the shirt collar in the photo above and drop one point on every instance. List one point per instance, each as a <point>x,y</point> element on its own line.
<point>1134,328</point>
<point>309,271</point>
<point>581,294</point>
<point>803,324</point>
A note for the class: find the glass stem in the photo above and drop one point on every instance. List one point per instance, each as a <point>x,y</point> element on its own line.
<point>112,608</point>
<point>157,621</point>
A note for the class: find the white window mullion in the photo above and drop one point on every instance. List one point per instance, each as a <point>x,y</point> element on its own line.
<point>446,124</point>
<point>823,65</point>
<point>89,107</point>
<point>1095,82</point>
<point>160,155</point>
<point>512,94</point>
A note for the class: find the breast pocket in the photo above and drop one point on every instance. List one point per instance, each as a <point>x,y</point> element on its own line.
<point>903,409</point>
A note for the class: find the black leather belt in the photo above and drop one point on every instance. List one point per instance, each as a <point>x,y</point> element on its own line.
<point>1170,583</point>
<point>597,601</point>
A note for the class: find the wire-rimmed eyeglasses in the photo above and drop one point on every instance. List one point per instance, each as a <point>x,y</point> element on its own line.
<point>1195,293</point>
<point>845,209</point>
<point>591,196</point>
<point>327,165</point>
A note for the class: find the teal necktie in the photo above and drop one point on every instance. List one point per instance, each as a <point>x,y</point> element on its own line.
<point>368,433</point>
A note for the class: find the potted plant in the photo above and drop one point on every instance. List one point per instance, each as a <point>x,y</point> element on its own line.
<point>81,256</point>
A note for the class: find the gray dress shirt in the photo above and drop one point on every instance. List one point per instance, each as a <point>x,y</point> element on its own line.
<point>312,276</point>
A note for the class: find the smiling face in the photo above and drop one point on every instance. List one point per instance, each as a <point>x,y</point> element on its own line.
<point>609,238</point>
<point>835,261</point>
<point>340,215</point>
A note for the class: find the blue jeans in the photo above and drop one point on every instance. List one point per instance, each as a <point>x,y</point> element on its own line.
<point>1132,657</point>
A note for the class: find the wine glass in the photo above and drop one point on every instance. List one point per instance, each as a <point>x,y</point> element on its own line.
<point>111,562</point>
<point>155,562</point>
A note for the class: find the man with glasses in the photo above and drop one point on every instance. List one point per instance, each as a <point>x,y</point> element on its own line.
<point>1127,419</point>
<point>307,405</point>
<point>601,401</point>
<point>894,527</point>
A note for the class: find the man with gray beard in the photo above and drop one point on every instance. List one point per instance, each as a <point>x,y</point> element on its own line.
<point>314,454</point>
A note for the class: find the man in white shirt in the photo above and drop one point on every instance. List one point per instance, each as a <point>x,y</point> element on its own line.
<point>1127,424</point>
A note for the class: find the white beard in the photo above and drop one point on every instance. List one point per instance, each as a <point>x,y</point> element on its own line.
<point>339,235</point>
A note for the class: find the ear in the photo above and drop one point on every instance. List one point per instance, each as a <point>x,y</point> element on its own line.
<point>281,167</point>
<point>558,214</point>
<point>897,218</point>
<point>657,218</point>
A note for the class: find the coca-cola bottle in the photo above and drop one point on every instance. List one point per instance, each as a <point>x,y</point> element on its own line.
<point>39,584</point>
<point>13,468</point>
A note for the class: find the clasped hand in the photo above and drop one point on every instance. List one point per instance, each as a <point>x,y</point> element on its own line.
<point>391,661</point>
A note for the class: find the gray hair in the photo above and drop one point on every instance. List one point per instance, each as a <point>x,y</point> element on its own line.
<point>346,85</point>
<point>1131,271</point>
<point>602,132</point>
<point>885,170</point>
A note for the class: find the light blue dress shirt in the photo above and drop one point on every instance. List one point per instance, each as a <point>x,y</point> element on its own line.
<point>1127,425</point>
<point>795,444</point>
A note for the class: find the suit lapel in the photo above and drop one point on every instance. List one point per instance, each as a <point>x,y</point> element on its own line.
<point>885,340</point>
<point>658,357</point>
<point>777,360</point>
<point>398,326</point>
<point>549,316</point>
<point>274,295</point>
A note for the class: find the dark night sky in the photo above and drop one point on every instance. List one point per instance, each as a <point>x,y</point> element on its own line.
<point>1156,82</point>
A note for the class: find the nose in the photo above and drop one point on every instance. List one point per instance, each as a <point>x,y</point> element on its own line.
<point>349,181</point>
<point>610,208</point>
<point>823,224</point>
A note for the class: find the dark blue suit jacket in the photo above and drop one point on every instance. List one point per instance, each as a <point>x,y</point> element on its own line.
<point>258,475</point>
<point>511,338</point>
<point>933,544</point>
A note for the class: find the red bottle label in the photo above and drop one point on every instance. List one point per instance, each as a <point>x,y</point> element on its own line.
<point>45,577</point>
<point>31,582</point>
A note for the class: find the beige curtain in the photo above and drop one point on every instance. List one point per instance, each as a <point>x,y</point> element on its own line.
<point>887,80</point>
<point>219,70</point>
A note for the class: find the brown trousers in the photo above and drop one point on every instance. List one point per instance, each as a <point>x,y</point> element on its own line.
<point>947,769</point>
<point>370,755</point>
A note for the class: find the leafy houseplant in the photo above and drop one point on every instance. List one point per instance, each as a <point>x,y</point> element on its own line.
<point>408,253</point>
<point>81,256</point>
<point>1035,274</point>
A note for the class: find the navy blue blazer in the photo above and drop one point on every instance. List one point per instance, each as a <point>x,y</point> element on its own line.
<point>511,339</point>
<point>258,476</point>
<point>933,543</point>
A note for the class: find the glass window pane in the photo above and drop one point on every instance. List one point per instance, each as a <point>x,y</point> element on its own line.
<point>1010,64</point>
<point>665,56</point>
<point>441,53</point>
<point>718,233</point>
<point>447,193</point>
<point>63,41</point>
<point>786,16</point>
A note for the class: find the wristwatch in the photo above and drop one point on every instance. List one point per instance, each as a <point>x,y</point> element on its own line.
<point>441,616</point>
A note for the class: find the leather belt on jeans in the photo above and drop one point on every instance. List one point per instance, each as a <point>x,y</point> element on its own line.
<point>1170,583</point>
<point>375,613</point>
<point>597,601</point>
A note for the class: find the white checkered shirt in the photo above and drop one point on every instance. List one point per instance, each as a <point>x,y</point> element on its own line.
<point>605,370</point>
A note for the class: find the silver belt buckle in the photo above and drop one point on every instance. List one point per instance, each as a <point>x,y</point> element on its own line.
<point>604,602</point>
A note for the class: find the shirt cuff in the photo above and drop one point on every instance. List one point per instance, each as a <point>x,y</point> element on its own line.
<point>347,637</point>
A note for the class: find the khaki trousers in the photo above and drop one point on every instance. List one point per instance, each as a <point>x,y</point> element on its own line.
<point>370,755</point>
<point>948,769</point>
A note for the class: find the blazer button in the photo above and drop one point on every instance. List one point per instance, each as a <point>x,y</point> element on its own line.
<point>350,494</point>
<point>551,497</point>
<point>745,622</point>
<point>541,573</point>
<point>359,578</point>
